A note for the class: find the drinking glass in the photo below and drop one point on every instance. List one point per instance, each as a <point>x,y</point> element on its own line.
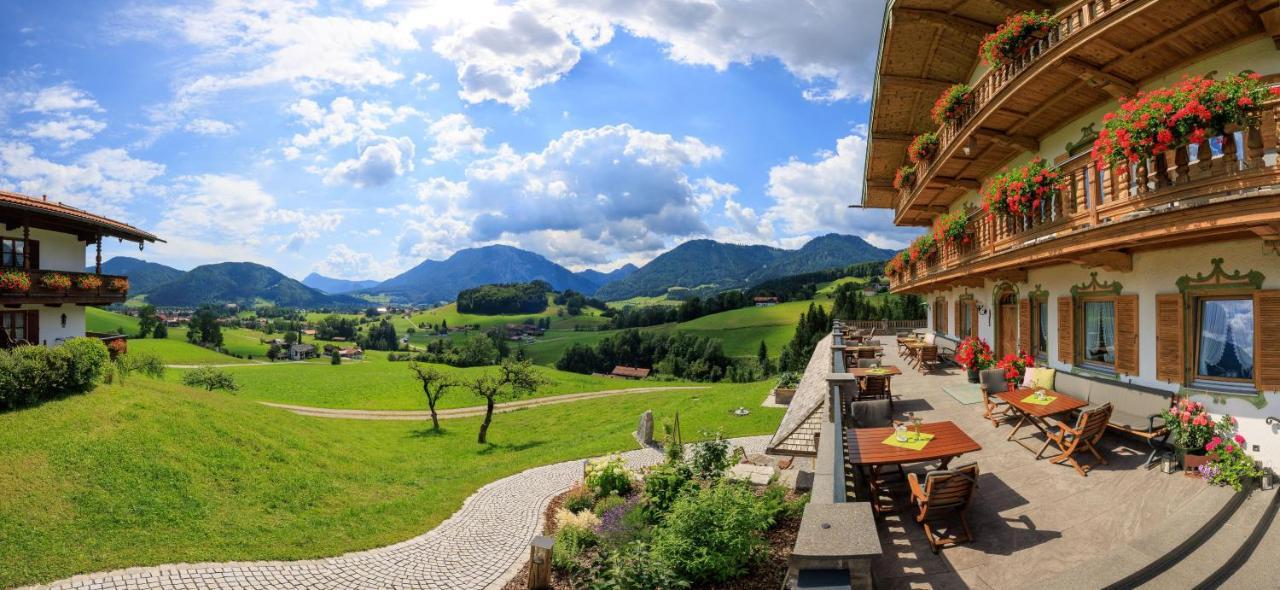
<point>900,431</point>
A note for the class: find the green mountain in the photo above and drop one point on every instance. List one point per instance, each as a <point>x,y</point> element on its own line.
<point>244,283</point>
<point>143,276</point>
<point>708,266</point>
<point>334,286</point>
<point>441,280</point>
<point>599,279</point>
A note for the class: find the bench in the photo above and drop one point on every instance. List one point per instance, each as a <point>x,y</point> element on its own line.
<point>1135,409</point>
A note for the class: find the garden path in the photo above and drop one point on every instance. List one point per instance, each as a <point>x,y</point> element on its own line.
<point>483,545</point>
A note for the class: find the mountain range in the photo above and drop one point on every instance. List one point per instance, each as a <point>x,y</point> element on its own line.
<point>334,286</point>
<point>440,280</point>
<point>143,276</point>
<point>245,283</point>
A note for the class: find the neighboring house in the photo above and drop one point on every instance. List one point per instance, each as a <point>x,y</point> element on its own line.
<point>354,353</point>
<point>1150,272</point>
<point>301,352</point>
<point>629,372</point>
<point>765,301</point>
<point>43,244</point>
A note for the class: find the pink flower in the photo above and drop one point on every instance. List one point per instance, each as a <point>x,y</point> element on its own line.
<point>1239,439</point>
<point>1245,101</point>
<point>1230,449</point>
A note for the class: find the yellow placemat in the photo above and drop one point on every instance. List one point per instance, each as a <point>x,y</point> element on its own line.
<point>1032,399</point>
<point>913,443</point>
<point>878,371</point>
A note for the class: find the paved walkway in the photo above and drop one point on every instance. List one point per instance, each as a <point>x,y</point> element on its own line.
<point>470,411</point>
<point>481,546</point>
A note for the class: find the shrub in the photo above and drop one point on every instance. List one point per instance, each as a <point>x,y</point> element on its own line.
<point>711,457</point>
<point>571,542</point>
<point>664,485</point>
<point>779,507</point>
<point>146,363</point>
<point>789,379</point>
<point>608,476</point>
<point>585,519</point>
<point>633,567</point>
<point>31,374</point>
<point>86,359</point>
<point>715,534</point>
<point>578,499</point>
<point>210,378</point>
<point>608,503</point>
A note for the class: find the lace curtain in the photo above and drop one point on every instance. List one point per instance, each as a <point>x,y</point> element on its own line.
<point>1100,331</point>
<point>1226,338</point>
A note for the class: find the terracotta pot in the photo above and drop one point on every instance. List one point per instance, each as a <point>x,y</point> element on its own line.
<point>783,396</point>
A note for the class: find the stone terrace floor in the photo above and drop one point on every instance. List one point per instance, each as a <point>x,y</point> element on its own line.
<point>1034,521</point>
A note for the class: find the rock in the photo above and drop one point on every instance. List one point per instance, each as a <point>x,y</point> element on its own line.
<point>756,474</point>
<point>644,431</point>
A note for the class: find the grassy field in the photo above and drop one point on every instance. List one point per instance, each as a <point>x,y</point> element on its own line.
<point>560,319</point>
<point>101,320</point>
<point>179,352</point>
<point>643,301</point>
<point>153,472</point>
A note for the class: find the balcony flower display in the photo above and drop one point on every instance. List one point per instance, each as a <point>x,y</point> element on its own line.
<point>55,281</point>
<point>1015,36</point>
<point>895,266</point>
<point>1015,366</point>
<point>974,354</point>
<point>15,281</point>
<point>1023,190</point>
<point>1228,464</point>
<point>951,106</point>
<point>952,229</point>
<point>1189,112</point>
<point>905,178</point>
<point>923,147</point>
<point>119,284</point>
<point>922,247</point>
<point>88,282</point>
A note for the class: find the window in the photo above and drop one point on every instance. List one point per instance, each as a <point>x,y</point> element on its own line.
<point>966,319</point>
<point>13,252</point>
<point>1040,327</point>
<point>14,323</point>
<point>1224,342</point>
<point>1099,343</point>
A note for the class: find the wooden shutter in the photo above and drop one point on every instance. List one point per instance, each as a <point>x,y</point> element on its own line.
<point>1066,330</point>
<point>1266,340</point>
<point>33,253</point>
<point>1127,334</point>
<point>1169,338</point>
<point>33,326</point>
<point>1024,325</point>
<point>942,310</point>
<point>959,315</point>
<point>973,318</point>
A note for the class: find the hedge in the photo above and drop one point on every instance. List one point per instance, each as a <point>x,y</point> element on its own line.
<point>32,374</point>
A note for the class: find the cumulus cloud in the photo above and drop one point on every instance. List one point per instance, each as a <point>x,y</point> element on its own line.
<point>215,127</point>
<point>382,159</point>
<point>454,135</point>
<point>102,180</point>
<point>343,262</point>
<point>60,98</point>
<point>342,122</point>
<point>66,130</point>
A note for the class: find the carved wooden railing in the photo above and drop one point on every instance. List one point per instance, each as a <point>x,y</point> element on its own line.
<point>1072,20</point>
<point>1232,162</point>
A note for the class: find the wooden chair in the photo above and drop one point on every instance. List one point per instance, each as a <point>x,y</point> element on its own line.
<point>945,493</point>
<point>866,353</point>
<point>1089,428</point>
<point>875,387</point>
<point>867,363</point>
<point>875,413</point>
<point>927,359</point>
<point>7,342</point>
<point>992,381</point>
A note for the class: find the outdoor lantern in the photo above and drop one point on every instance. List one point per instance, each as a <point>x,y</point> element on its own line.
<point>64,320</point>
<point>1167,464</point>
<point>1268,478</point>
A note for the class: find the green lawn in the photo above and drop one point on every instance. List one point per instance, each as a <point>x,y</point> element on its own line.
<point>449,313</point>
<point>101,320</point>
<point>179,352</point>
<point>151,472</point>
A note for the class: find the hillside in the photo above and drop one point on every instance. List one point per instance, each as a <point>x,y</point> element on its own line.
<point>244,283</point>
<point>334,286</point>
<point>600,279</point>
<point>143,276</point>
<point>711,266</point>
<point>441,280</point>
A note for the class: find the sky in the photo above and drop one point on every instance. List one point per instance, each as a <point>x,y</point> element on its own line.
<point>356,139</point>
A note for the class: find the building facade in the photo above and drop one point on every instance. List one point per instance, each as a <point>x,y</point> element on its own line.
<point>1160,270</point>
<point>44,286</point>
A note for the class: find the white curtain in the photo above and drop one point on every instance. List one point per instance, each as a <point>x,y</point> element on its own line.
<point>1222,321</point>
<point>1213,335</point>
<point>1100,331</point>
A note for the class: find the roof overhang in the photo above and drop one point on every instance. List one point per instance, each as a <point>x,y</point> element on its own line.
<point>18,209</point>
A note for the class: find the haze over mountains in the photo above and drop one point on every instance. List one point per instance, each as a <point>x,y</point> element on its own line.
<point>704,265</point>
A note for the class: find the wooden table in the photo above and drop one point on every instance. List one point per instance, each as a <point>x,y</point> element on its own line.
<point>866,371</point>
<point>866,446</point>
<point>1035,414</point>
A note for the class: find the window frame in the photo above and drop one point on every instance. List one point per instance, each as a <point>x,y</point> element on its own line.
<point>1197,325</point>
<point>26,252</point>
<point>18,316</point>
<point>1082,334</point>
<point>1037,302</point>
<point>968,310</point>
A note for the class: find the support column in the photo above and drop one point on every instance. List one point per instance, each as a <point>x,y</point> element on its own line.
<point>26,242</point>
<point>97,267</point>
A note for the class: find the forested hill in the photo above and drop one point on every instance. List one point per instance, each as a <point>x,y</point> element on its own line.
<point>244,283</point>
<point>143,276</point>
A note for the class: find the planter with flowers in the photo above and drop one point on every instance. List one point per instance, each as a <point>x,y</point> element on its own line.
<point>88,282</point>
<point>1015,367</point>
<point>1190,430</point>
<point>974,355</point>
<point>15,281</point>
<point>953,105</point>
<point>1022,191</point>
<point>1228,464</point>
<point>923,147</point>
<point>952,229</point>
<point>922,248</point>
<point>1189,112</point>
<point>55,281</point>
<point>119,284</point>
<point>1015,37</point>
<point>905,178</point>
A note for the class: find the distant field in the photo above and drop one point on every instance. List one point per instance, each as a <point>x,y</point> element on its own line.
<point>449,313</point>
<point>101,320</point>
<point>179,352</point>
<point>642,301</point>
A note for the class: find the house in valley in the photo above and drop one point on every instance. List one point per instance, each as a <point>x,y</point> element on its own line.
<point>301,352</point>
<point>764,301</point>
<point>43,287</point>
<point>629,372</point>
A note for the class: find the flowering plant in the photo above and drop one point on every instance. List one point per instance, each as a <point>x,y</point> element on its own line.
<point>15,281</point>
<point>951,105</point>
<point>923,147</point>
<point>1190,425</point>
<point>1015,37</point>
<point>922,247</point>
<point>905,177</point>
<point>974,353</point>
<point>119,284</point>
<point>1015,366</point>
<point>894,266</point>
<point>56,281</point>
<point>952,229</point>
<point>1190,111</point>
<point>88,282</point>
<point>1023,190</point>
<point>1229,464</point>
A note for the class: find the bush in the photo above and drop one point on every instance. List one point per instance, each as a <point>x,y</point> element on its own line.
<point>715,534</point>
<point>210,378</point>
<point>585,519</point>
<point>571,542</point>
<point>608,503</point>
<point>608,476</point>
<point>664,485</point>
<point>578,499</point>
<point>86,359</point>
<point>633,567</point>
<point>711,457</point>
<point>31,374</point>
<point>146,363</point>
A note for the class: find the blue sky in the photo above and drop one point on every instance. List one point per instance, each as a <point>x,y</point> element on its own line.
<point>356,139</point>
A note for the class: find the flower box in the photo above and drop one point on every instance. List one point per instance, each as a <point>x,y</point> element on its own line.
<point>923,148</point>
<point>953,105</point>
<point>15,281</point>
<point>119,285</point>
<point>783,395</point>
<point>1015,37</point>
<point>952,229</point>
<point>55,281</point>
<point>88,282</point>
<point>905,178</point>
<point>1023,191</point>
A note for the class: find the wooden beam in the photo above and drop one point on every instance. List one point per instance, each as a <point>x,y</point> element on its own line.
<point>969,281</point>
<point>1111,83</point>
<point>1013,275</point>
<point>964,183</point>
<point>960,24</point>
<point>1268,12</point>
<point>926,84</point>
<point>1112,260</point>
<point>886,136</point>
<point>1025,142</point>
<point>1022,5</point>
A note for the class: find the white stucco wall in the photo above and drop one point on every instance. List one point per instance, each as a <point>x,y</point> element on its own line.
<point>58,251</point>
<point>1153,273</point>
<point>52,333</point>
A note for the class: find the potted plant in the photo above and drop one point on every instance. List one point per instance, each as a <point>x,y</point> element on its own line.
<point>922,247</point>
<point>1015,36</point>
<point>119,284</point>
<point>974,355</point>
<point>1015,367</point>
<point>905,178</point>
<point>1191,428</point>
<point>88,282</point>
<point>952,229</point>
<point>786,387</point>
<point>1228,464</point>
<point>55,281</point>
<point>923,147</point>
<point>1023,190</point>
<point>15,281</point>
<point>952,105</point>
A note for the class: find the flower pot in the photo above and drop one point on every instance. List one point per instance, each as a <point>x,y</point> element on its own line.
<point>973,374</point>
<point>783,395</point>
<point>1191,459</point>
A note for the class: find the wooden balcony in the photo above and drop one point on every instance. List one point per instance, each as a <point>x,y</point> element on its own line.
<point>41,295</point>
<point>1101,50</point>
<point>1225,188</point>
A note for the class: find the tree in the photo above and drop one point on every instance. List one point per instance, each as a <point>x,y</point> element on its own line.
<point>335,358</point>
<point>147,320</point>
<point>290,337</point>
<point>161,332</point>
<point>514,379</point>
<point>210,378</point>
<point>434,384</point>
<point>273,353</point>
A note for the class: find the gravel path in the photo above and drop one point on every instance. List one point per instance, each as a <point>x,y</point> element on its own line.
<point>482,545</point>
<point>468,411</point>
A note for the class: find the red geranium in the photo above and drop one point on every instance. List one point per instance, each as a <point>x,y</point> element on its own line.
<point>1015,37</point>
<point>905,178</point>
<point>1015,366</point>
<point>923,147</point>
<point>974,353</point>
<point>1022,190</point>
<point>953,103</point>
<point>952,229</point>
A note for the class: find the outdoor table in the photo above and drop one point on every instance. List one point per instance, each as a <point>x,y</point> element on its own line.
<point>866,371</point>
<point>1037,414</point>
<point>866,446</point>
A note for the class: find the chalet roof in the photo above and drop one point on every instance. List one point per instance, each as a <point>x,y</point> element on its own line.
<point>804,415</point>
<point>637,372</point>
<point>14,207</point>
<point>763,299</point>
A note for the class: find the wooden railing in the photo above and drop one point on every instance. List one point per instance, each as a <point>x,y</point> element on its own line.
<point>1072,20</point>
<point>1094,198</point>
<point>42,294</point>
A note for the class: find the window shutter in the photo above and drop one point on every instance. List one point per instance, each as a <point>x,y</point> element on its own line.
<point>1066,330</point>
<point>1169,338</point>
<point>1266,326</point>
<point>1024,325</point>
<point>973,318</point>
<point>1127,334</point>
<point>957,318</point>
<point>33,253</point>
<point>942,309</point>
<point>33,326</point>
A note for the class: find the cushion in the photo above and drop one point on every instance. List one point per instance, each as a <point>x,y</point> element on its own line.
<point>1128,420</point>
<point>1029,377</point>
<point>1043,377</point>
<point>993,380</point>
<point>1072,385</point>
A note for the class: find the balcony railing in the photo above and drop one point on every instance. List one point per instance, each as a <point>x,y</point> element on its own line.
<point>39,293</point>
<point>1236,163</point>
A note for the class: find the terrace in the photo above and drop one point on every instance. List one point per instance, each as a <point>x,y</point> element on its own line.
<point>1035,523</point>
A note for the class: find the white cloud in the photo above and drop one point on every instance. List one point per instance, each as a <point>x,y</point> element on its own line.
<point>343,262</point>
<point>454,136</point>
<point>343,122</point>
<point>66,130</point>
<point>381,160</point>
<point>101,181</point>
<point>215,127</point>
<point>60,98</point>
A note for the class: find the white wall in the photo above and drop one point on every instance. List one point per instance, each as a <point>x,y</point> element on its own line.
<point>58,251</point>
<point>52,333</point>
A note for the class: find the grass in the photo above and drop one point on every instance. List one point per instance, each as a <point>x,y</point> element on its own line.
<point>101,320</point>
<point>180,352</point>
<point>560,319</point>
<point>153,472</point>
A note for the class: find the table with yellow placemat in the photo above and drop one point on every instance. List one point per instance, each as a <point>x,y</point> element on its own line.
<point>876,448</point>
<point>1033,410</point>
